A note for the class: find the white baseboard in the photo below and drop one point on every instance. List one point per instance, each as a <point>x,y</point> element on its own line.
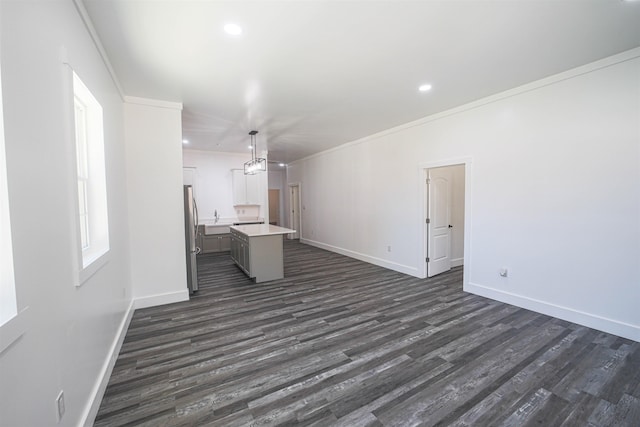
<point>457,262</point>
<point>604,324</point>
<point>91,410</point>
<point>161,299</point>
<point>401,268</point>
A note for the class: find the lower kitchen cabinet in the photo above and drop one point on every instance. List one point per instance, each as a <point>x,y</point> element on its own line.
<point>240,252</point>
<point>216,243</point>
<point>209,243</point>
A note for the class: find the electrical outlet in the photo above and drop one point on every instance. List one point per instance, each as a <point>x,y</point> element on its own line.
<point>60,405</point>
<point>504,272</point>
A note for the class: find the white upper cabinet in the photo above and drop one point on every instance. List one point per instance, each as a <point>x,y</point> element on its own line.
<point>239,187</point>
<point>254,188</point>
<point>247,189</point>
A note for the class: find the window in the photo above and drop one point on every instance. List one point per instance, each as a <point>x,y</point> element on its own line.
<point>93,223</point>
<point>8,305</point>
<point>82,169</point>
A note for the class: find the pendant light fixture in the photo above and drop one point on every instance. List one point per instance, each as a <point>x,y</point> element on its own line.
<point>256,164</point>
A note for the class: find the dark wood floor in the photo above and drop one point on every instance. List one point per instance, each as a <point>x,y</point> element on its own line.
<point>342,342</point>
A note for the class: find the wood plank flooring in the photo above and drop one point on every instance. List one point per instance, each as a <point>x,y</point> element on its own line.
<point>345,343</point>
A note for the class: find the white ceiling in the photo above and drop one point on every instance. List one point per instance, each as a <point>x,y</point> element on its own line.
<point>310,75</point>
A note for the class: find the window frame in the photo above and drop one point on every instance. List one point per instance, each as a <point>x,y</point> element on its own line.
<point>13,318</point>
<point>91,207</point>
<point>8,300</point>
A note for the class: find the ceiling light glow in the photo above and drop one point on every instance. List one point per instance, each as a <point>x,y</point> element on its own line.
<point>281,165</point>
<point>424,88</point>
<point>185,141</point>
<point>233,29</point>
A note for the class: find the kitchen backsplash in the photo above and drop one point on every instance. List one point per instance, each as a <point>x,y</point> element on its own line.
<point>247,212</point>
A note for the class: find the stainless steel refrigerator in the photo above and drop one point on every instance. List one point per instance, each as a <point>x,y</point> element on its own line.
<point>190,234</point>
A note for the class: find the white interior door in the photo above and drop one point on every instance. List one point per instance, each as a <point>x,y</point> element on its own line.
<point>294,213</point>
<point>439,221</point>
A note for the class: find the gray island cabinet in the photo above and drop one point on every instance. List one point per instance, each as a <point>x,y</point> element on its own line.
<point>257,250</point>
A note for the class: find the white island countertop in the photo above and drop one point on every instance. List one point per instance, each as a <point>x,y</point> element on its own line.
<point>254,230</point>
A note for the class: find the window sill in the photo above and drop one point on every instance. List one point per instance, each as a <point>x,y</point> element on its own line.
<point>91,269</point>
<point>13,329</point>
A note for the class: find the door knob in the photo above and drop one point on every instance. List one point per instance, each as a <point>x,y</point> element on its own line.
<point>450,226</point>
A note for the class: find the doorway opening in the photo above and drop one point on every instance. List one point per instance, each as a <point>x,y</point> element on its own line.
<point>295,221</point>
<point>274,206</point>
<point>444,212</point>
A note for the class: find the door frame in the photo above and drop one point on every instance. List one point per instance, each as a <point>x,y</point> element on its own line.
<point>299,208</point>
<point>424,173</point>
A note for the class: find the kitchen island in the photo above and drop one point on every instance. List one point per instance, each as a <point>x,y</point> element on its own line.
<point>257,250</point>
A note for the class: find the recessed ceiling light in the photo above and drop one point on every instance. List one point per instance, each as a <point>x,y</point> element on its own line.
<point>251,147</point>
<point>233,29</point>
<point>425,88</point>
<point>185,141</point>
<point>281,165</point>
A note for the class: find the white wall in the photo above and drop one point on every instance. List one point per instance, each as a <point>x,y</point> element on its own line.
<point>153,135</point>
<point>214,189</point>
<point>70,332</point>
<point>553,194</point>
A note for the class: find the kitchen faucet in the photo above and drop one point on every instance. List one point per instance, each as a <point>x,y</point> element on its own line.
<point>216,216</point>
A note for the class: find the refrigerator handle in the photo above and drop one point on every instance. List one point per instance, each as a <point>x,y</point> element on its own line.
<point>195,225</point>
<point>195,210</point>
